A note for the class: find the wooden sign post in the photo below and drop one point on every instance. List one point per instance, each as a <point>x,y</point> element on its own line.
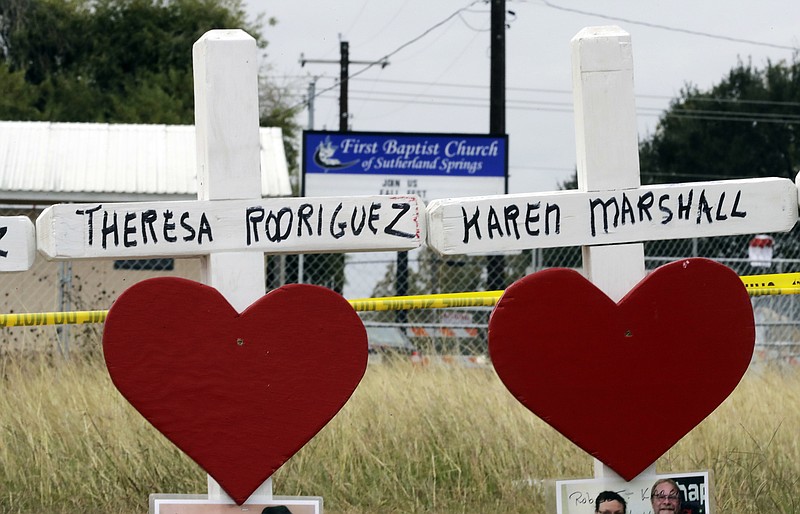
<point>17,243</point>
<point>611,213</point>
<point>230,225</point>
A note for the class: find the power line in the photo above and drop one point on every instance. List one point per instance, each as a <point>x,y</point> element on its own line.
<point>711,99</point>
<point>559,107</point>
<point>669,28</point>
<point>401,47</point>
<point>481,102</point>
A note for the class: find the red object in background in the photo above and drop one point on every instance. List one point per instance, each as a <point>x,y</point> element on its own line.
<point>239,393</point>
<point>760,251</point>
<point>624,381</point>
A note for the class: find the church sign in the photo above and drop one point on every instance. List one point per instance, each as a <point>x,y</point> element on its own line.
<point>428,165</point>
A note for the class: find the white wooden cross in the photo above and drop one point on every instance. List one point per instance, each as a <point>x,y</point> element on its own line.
<point>611,213</point>
<point>230,225</point>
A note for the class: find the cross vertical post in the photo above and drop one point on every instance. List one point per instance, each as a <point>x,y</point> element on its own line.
<point>228,161</point>
<point>607,152</point>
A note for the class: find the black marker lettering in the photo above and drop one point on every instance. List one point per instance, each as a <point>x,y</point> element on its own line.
<point>472,223</point>
<point>357,231</point>
<point>548,210</point>
<point>403,208</point>
<point>719,216</point>
<point>734,212</point>
<point>627,209</point>
<point>531,218</point>
<point>664,209</point>
<point>597,201</point>
<point>252,216</point>
<point>129,230</point>
<point>644,204</point>
<point>90,221</point>
<point>148,218</point>
<point>277,236</point>
<point>703,207</point>
<point>188,227</point>
<point>303,213</point>
<point>683,210</point>
<point>493,223</point>
<point>341,226</point>
<point>511,213</point>
<point>3,230</point>
<point>373,216</point>
<point>109,229</point>
<point>205,228</point>
<point>169,227</point>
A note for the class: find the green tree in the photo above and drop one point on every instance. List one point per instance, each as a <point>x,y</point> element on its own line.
<point>116,61</point>
<point>745,126</point>
<point>125,61</point>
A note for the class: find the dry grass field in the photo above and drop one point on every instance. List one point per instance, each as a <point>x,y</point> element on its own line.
<point>411,439</point>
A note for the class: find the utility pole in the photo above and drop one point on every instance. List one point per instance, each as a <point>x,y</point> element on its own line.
<point>312,93</point>
<point>495,264</point>
<point>497,73</point>
<point>344,63</point>
<point>337,261</point>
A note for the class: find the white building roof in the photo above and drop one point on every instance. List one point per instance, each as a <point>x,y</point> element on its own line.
<point>42,162</point>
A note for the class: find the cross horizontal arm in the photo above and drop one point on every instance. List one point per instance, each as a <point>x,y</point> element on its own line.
<point>584,218</point>
<point>279,225</point>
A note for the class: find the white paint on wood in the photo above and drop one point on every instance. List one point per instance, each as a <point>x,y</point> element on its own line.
<point>603,471</point>
<point>226,117</point>
<point>276,225</point>
<point>17,243</point>
<point>607,150</point>
<point>261,495</point>
<point>573,218</point>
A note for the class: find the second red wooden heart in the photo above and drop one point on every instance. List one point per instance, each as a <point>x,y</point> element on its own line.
<point>624,381</point>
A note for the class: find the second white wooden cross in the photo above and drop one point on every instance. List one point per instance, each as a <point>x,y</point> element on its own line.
<point>611,213</point>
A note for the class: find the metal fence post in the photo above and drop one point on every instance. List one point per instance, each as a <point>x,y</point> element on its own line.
<point>64,305</point>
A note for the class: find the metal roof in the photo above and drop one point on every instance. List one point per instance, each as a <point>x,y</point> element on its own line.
<point>43,162</point>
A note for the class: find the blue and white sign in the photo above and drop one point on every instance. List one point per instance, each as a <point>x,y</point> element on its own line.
<point>428,165</point>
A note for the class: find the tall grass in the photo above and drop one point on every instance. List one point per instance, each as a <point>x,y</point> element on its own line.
<point>410,440</point>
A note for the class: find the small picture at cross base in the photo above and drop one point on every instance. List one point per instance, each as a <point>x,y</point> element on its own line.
<point>200,504</point>
<point>680,493</point>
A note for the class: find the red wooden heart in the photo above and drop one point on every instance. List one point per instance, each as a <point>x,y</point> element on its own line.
<point>624,381</point>
<point>239,393</point>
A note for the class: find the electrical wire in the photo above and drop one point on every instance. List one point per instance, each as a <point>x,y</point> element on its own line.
<point>398,49</point>
<point>669,28</point>
<point>428,85</point>
<point>642,96</point>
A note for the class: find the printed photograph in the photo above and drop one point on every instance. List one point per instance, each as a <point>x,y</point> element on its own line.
<point>193,504</point>
<point>682,493</point>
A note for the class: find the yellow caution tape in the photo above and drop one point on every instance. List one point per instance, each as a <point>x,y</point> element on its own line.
<point>52,318</point>
<point>756,285</point>
<point>427,301</point>
<point>779,283</point>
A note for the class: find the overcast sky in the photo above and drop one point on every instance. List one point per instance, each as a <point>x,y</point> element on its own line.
<point>440,82</point>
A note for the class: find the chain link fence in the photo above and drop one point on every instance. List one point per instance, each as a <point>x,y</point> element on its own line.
<point>453,334</point>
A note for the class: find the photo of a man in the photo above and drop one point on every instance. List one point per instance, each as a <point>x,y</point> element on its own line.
<point>665,497</point>
<point>609,502</point>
